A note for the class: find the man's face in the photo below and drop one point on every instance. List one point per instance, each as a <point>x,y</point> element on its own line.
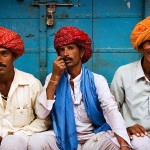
<point>6,61</point>
<point>71,55</point>
<point>146,51</point>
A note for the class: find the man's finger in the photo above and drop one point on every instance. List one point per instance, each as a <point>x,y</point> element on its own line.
<point>129,133</point>
<point>142,130</point>
<point>137,130</point>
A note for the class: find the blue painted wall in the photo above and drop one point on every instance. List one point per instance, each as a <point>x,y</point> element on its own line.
<point>108,23</point>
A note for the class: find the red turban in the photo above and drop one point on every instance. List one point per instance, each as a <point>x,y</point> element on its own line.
<point>68,35</point>
<point>11,40</point>
<point>140,33</point>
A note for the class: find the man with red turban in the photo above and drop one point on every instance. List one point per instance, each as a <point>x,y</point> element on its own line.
<point>84,113</point>
<point>18,95</point>
<point>131,88</point>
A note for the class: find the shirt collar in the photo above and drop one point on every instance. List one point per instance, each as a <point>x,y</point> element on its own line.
<point>77,78</point>
<point>19,78</point>
<point>139,70</point>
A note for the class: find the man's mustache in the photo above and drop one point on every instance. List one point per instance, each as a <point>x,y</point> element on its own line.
<point>3,65</point>
<point>67,58</point>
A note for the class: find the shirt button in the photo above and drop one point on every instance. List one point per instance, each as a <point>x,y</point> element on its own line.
<point>95,140</point>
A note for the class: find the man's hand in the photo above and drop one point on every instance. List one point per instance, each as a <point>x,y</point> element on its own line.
<point>123,144</point>
<point>137,130</point>
<point>58,68</point>
<point>0,139</point>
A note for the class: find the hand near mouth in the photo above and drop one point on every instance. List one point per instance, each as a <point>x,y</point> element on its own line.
<point>58,68</point>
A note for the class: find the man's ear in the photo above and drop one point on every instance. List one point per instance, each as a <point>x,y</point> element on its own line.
<point>15,56</point>
<point>82,52</point>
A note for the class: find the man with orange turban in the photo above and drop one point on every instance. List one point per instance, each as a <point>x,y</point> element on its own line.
<point>84,113</point>
<point>18,95</point>
<point>131,88</point>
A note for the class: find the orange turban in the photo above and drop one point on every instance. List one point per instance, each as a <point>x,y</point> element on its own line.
<point>11,40</point>
<point>68,35</point>
<point>140,33</point>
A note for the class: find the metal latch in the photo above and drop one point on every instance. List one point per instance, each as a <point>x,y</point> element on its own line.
<point>51,7</point>
<point>50,15</point>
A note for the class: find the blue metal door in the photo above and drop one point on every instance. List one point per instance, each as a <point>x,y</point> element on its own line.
<point>108,23</point>
<point>21,17</point>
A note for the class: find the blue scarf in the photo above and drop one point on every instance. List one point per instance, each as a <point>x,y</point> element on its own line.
<point>63,114</point>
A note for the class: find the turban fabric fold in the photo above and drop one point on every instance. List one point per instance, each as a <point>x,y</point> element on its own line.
<point>11,40</point>
<point>70,35</point>
<point>140,33</point>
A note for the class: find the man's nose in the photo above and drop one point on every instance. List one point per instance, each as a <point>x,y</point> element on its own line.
<point>66,52</point>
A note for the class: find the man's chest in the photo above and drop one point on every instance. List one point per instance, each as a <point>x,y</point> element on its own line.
<point>4,89</point>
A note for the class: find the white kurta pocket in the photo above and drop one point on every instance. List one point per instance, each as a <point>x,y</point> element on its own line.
<point>22,116</point>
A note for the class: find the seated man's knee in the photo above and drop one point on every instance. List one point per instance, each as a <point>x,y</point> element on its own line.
<point>42,141</point>
<point>35,142</point>
<point>102,141</point>
<point>140,143</point>
<point>14,142</point>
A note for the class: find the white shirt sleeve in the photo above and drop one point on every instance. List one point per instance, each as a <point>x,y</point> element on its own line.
<point>109,106</point>
<point>44,105</point>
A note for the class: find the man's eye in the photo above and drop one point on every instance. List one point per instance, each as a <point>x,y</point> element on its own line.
<point>5,53</point>
<point>70,47</point>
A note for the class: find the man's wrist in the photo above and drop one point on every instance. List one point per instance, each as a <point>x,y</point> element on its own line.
<point>55,78</point>
<point>125,145</point>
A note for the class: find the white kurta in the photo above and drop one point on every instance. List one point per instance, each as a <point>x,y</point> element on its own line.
<point>18,114</point>
<point>84,125</point>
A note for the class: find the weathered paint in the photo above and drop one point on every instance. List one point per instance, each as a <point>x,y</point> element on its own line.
<point>108,23</point>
